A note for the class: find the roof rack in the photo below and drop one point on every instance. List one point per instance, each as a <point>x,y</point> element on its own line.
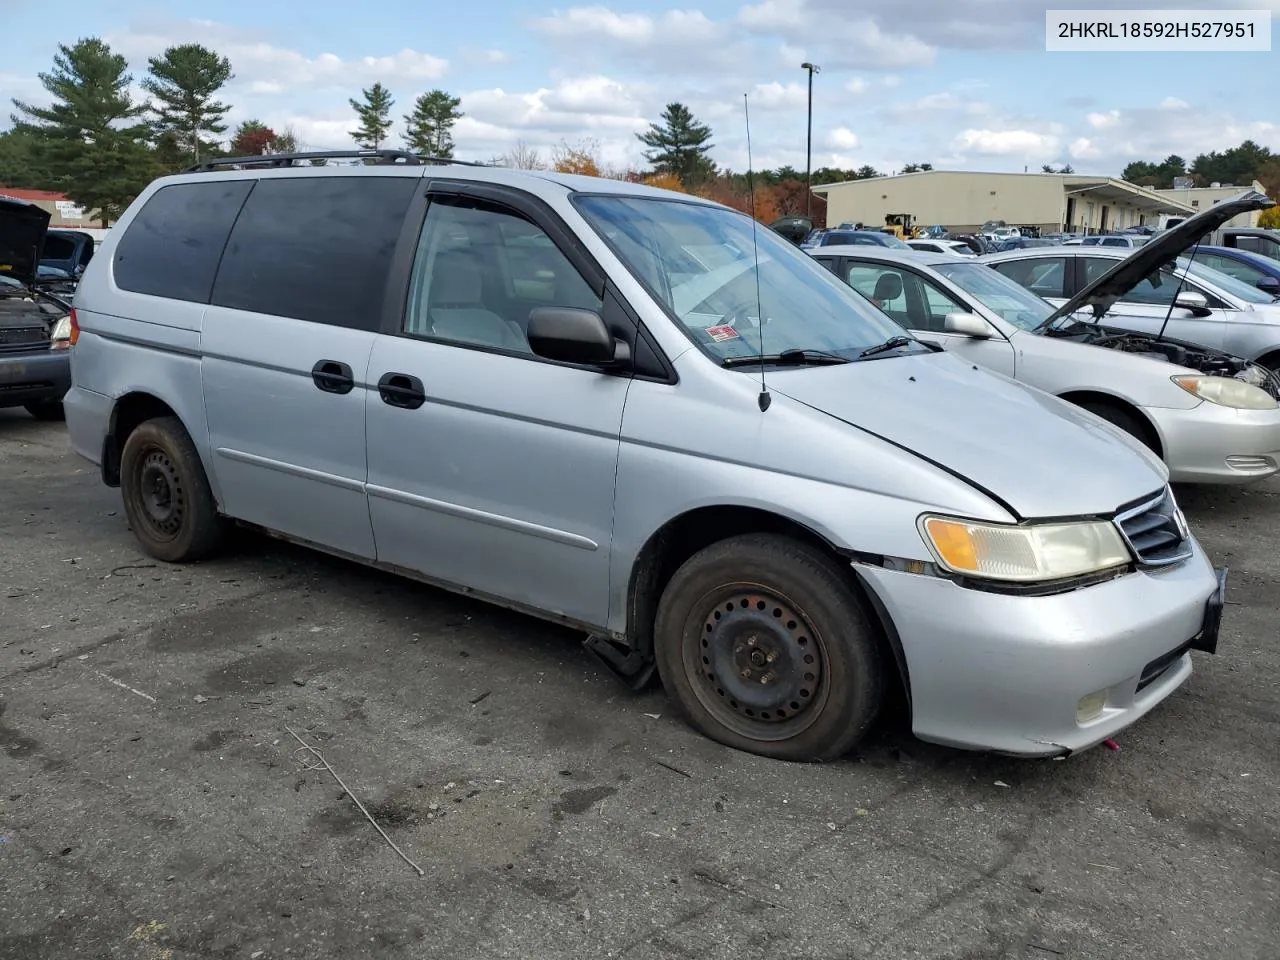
<point>294,159</point>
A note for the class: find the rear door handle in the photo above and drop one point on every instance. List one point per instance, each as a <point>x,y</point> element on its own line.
<point>401,390</point>
<point>332,376</point>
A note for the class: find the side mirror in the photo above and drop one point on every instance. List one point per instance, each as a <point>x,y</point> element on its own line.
<point>1191,300</point>
<point>1270,285</point>
<point>968,325</point>
<point>571,335</point>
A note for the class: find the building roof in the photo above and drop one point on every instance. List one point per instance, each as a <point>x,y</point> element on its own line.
<point>22,193</point>
<point>1109,188</point>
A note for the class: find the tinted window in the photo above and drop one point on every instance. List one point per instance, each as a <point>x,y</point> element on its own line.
<point>1043,276</point>
<point>171,248</point>
<point>480,270</point>
<point>315,248</point>
<point>1231,267</point>
<point>58,248</point>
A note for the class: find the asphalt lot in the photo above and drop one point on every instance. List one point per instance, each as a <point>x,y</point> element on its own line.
<point>151,805</point>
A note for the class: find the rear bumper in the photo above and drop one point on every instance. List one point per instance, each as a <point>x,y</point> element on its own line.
<point>34,377</point>
<point>1211,443</point>
<point>88,421</point>
<point>1006,673</point>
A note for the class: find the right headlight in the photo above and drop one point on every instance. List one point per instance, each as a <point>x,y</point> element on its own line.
<point>1028,553</point>
<point>1228,392</point>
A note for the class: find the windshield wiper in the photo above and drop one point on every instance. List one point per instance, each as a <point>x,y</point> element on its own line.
<point>787,357</point>
<point>893,343</point>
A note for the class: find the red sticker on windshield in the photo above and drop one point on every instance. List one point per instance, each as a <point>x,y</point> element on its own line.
<point>723,332</point>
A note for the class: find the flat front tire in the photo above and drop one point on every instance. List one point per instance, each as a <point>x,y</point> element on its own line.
<point>166,493</point>
<point>765,647</point>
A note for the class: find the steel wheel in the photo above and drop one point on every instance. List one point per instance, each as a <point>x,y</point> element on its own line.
<point>760,668</point>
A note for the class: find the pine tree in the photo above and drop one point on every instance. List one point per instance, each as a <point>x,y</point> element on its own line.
<point>429,128</point>
<point>183,82</point>
<point>679,146</point>
<point>374,115</point>
<point>84,139</point>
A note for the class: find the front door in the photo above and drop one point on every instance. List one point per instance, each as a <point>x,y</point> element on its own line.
<point>921,306</point>
<point>490,468</point>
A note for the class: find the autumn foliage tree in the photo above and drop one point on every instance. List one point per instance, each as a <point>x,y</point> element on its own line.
<point>582,158</point>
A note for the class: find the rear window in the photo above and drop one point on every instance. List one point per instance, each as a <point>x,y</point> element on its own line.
<point>58,248</point>
<point>315,248</point>
<point>171,247</point>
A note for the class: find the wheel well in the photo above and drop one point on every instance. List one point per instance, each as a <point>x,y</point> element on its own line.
<point>1271,361</point>
<point>130,410</point>
<point>1088,397</point>
<point>682,537</point>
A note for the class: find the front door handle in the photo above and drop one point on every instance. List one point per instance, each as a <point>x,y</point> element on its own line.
<point>401,390</point>
<point>332,376</point>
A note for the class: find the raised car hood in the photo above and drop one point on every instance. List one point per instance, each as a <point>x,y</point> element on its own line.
<point>22,229</point>
<point>1163,248</point>
<point>1034,453</point>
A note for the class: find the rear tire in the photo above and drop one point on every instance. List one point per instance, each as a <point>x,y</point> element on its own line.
<point>764,646</point>
<point>166,493</point>
<point>47,410</point>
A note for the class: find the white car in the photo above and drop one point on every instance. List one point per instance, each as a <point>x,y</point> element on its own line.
<point>1207,422</point>
<point>954,247</point>
<point>1143,291</point>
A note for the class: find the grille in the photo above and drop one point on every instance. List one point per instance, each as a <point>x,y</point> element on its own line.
<point>22,339</point>
<point>1155,531</point>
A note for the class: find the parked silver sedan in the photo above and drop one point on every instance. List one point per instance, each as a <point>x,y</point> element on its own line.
<point>1208,427</point>
<point>1178,299</point>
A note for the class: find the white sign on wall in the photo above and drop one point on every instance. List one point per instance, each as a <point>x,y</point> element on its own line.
<point>68,210</point>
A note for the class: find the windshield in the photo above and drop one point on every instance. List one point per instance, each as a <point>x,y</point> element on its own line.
<point>1232,285</point>
<point>1014,303</point>
<point>719,299</point>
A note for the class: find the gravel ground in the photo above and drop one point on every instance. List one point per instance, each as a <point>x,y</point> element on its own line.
<point>151,804</point>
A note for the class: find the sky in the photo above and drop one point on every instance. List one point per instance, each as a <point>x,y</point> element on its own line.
<point>965,84</point>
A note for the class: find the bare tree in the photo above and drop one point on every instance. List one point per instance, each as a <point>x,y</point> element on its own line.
<point>524,157</point>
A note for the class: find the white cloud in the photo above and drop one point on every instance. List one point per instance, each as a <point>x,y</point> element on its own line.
<point>1173,103</point>
<point>1007,143</point>
<point>1082,148</point>
<point>1104,121</point>
<point>858,85</point>
<point>842,138</point>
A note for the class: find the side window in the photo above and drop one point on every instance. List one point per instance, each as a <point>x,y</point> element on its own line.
<point>939,303</point>
<point>1043,276</point>
<point>171,248</point>
<point>1114,242</point>
<point>1231,267</point>
<point>884,287</point>
<point>315,248</point>
<point>479,271</point>
<point>1157,288</point>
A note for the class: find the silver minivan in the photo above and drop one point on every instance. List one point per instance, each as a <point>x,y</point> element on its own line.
<point>637,413</point>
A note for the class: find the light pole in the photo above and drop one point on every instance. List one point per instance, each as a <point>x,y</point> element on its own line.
<point>808,145</point>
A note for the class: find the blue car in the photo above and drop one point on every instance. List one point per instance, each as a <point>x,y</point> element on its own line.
<point>1253,268</point>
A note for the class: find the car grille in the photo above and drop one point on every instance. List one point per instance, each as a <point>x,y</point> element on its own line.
<point>22,339</point>
<point>1155,531</point>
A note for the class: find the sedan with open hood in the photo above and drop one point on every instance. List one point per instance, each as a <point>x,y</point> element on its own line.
<point>1158,298</point>
<point>1208,425</point>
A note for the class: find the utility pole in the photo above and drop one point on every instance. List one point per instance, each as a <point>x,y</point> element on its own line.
<point>808,149</point>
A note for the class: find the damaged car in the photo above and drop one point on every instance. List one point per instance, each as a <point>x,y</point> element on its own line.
<point>35,324</point>
<point>1159,298</point>
<point>1212,418</point>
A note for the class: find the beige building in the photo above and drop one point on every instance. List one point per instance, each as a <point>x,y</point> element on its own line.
<point>1198,198</point>
<point>962,201</point>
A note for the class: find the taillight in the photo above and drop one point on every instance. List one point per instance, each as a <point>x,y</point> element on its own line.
<point>75,327</point>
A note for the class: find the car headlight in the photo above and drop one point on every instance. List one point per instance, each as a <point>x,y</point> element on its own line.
<point>1024,554</point>
<point>1228,392</point>
<point>60,336</point>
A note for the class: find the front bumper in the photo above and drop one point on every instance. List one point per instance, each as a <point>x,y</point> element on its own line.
<point>34,377</point>
<point>1210,443</point>
<point>1005,673</point>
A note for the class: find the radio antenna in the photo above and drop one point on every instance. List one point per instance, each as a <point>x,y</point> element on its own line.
<point>764,399</point>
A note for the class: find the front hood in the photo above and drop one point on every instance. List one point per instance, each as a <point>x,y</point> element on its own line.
<point>1164,248</point>
<point>1035,454</point>
<point>22,229</point>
